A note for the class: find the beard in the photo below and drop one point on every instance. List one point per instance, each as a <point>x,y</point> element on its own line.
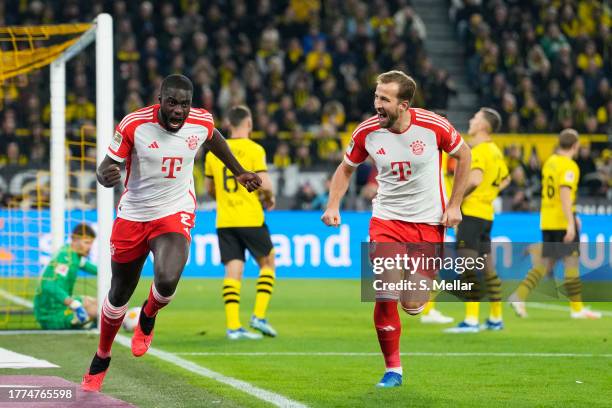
<point>387,119</point>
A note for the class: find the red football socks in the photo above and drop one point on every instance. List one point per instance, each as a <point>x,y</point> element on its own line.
<point>112,317</point>
<point>388,329</point>
<point>155,301</point>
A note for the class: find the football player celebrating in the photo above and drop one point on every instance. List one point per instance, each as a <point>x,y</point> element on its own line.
<point>156,211</point>
<point>406,145</point>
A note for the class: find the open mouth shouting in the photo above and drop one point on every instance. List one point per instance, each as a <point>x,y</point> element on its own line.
<point>175,123</point>
<point>383,117</point>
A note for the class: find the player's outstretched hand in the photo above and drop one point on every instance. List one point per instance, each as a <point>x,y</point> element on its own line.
<point>451,217</point>
<point>110,176</point>
<point>249,180</point>
<point>331,217</point>
<point>79,311</point>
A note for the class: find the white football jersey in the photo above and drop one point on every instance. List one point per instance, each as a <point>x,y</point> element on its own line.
<point>409,164</point>
<point>159,163</point>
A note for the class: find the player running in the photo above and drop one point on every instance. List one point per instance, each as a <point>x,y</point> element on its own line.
<point>488,176</point>
<point>241,226</point>
<point>156,211</point>
<point>55,306</point>
<point>560,229</point>
<point>406,144</point>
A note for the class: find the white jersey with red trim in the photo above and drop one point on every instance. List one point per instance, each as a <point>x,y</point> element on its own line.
<point>409,164</point>
<point>159,163</point>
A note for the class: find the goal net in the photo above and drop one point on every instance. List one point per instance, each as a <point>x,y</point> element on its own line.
<point>54,192</point>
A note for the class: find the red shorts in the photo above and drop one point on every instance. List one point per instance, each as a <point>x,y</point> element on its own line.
<point>426,240</point>
<point>402,231</point>
<point>130,239</point>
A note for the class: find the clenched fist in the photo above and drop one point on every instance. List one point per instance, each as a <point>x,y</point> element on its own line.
<point>331,217</point>
<point>249,180</point>
<point>109,176</point>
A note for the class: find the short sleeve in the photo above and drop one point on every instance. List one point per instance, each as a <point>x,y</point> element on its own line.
<point>356,152</point>
<point>504,169</point>
<point>203,118</point>
<point>478,159</point>
<point>121,145</point>
<point>259,159</point>
<point>570,177</point>
<point>208,171</point>
<point>449,139</point>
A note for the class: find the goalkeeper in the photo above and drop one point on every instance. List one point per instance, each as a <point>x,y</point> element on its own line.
<point>55,307</point>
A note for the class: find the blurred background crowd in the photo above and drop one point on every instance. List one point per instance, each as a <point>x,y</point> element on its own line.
<point>307,69</point>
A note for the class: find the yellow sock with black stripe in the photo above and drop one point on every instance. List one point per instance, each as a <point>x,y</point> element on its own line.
<point>531,281</point>
<point>231,297</point>
<point>264,287</point>
<point>495,297</point>
<point>573,288</point>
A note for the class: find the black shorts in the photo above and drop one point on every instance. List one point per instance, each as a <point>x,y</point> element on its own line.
<point>234,241</point>
<point>474,233</point>
<point>553,246</point>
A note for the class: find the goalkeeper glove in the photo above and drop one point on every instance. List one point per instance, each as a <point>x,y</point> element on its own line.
<point>79,311</point>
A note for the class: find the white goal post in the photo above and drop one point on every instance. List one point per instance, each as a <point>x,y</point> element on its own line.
<point>102,34</point>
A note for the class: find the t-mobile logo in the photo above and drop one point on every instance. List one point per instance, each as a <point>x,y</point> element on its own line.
<point>174,165</point>
<point>401,169</point>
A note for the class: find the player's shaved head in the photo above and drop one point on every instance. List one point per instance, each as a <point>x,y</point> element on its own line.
<point>175,101</point>
<point>176,81</point>
<point>568,138</point>
<point>238,114</point>
<point>493,118</point>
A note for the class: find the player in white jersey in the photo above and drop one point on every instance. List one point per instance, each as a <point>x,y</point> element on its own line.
<point>156,211</point>
<point>410,207</point>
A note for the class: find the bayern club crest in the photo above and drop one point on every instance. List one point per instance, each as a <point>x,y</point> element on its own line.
<point>417,147</point>
<point>192,142</point>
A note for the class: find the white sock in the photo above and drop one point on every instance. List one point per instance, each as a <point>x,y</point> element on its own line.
<point>394,370</point>
<point>471,321</point>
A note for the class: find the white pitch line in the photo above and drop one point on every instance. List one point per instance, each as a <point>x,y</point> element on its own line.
<point>16,299</point>
<point>172,358</point>
<point>264,395</point>
<point>413,354</point>
<point>546,306</point>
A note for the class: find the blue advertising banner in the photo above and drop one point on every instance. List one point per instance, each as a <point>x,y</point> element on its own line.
<point>304,246</point>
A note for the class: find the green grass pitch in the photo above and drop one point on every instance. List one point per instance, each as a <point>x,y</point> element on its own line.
<point>322,316</point>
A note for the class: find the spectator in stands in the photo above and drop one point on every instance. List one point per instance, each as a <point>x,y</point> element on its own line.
<point>304,197</point>
<point>590,181</point>
<point>14,164</point>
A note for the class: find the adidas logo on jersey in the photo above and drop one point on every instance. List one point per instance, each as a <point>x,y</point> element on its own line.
<point>154,145</point>
<point>381,151</point>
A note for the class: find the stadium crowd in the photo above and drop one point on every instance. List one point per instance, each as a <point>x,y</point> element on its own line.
<point>306,68</point>
<point>544,65</point>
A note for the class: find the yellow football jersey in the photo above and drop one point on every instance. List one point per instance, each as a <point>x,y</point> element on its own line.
<point>557,171</point>
<point>488,158</point>
<point>236,207</point>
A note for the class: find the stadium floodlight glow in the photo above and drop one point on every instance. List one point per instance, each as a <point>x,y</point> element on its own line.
<point>102,34</point>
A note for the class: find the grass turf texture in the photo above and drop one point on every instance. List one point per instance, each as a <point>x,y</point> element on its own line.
<point>327,316</point>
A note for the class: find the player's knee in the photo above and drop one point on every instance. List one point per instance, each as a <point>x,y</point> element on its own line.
<point>166,285</point>
<point>118,296</point>
<point>413,308</point>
